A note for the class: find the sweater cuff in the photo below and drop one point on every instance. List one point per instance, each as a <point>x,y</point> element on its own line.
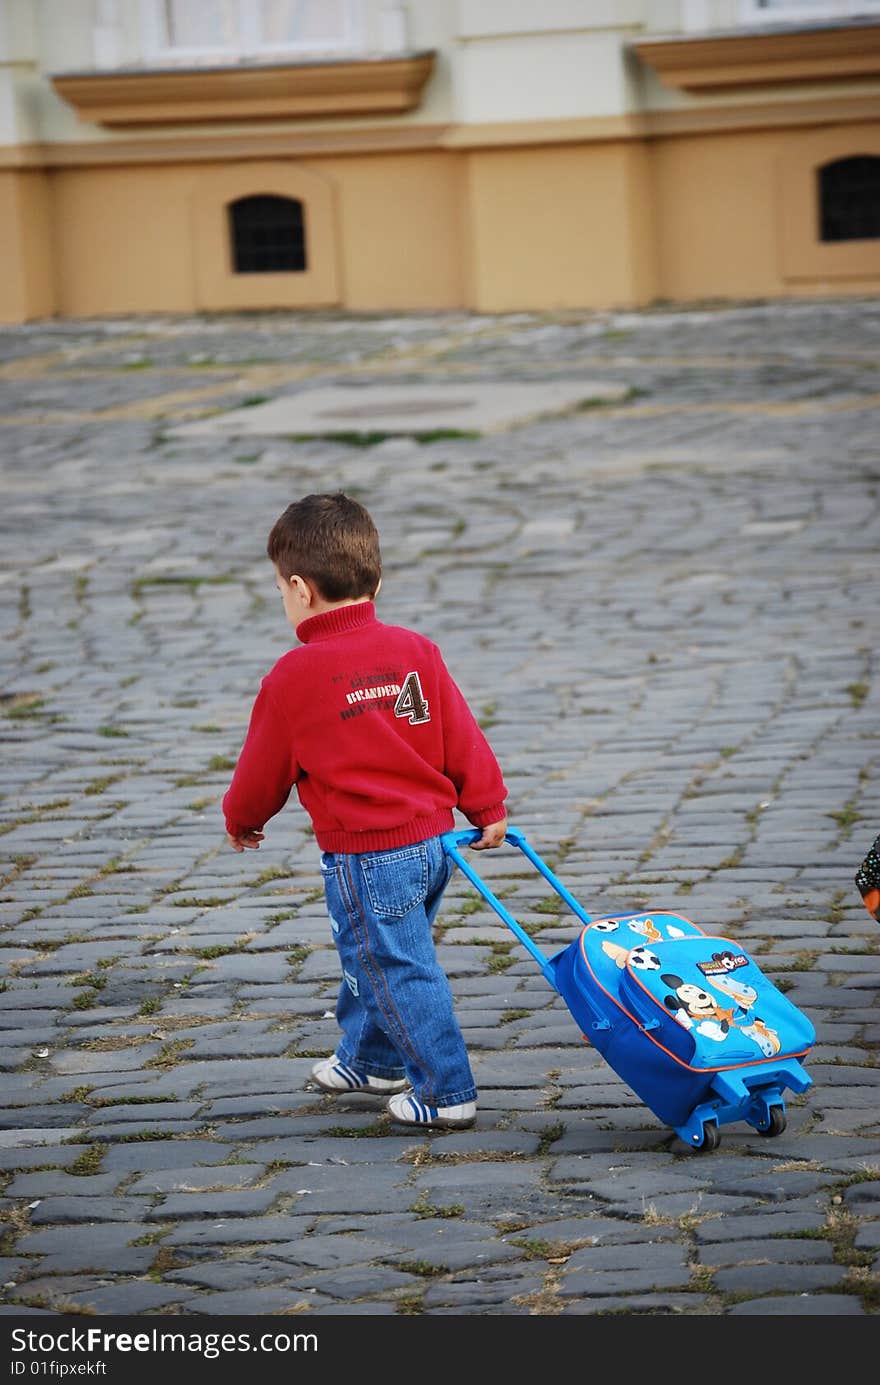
<point>238,829</point>
<point>486,816</point>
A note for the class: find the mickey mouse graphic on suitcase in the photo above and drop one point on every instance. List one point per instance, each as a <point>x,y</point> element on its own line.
<point>688,1020</point>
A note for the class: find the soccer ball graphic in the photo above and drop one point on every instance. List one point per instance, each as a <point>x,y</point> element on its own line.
<point>643,959</point>
<point>607,926</point>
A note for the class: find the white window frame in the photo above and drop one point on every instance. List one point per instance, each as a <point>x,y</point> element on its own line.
<point>751,12</point>
<point>157,48</point>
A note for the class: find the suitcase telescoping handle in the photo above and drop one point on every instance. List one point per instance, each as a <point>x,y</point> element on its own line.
<point>465,837</point>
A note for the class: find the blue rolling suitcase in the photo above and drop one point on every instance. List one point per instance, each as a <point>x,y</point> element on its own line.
<point>688,1021</point>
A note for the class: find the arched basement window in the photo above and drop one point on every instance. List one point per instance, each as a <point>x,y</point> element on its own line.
<point>849,198</point>
<point>267,235</point>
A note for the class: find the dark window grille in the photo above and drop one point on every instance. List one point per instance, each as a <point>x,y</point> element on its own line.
<point>268,235</point>
<point>849,199</point>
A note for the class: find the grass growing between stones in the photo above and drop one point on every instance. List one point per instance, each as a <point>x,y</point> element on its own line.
<point>166,1259</point>
<point>546,1301</point>
<point>424,1209</point>
<point>549,1135</point>
<point>272,873</point>
<point>169,1054</point>
<point>94,979</point>
<point>840,1230</point>
<point>191,583</point>
<point>296,957</point>
<point>554,1094</point>
<point>149,1135</point>
<point>221,762</point>
<point>377,1130</point>
<point>858,691</point>
<point>222,949</point>
<point>62,1305</point>
<point>487,717</point>
<point>733,860</point>
<point>151,1238</point>
<point>470,906</point>
<point>501,957</point>
<point>354,438</point>
<point>17,1222</point>
<point>21,862</point>
<point>130,1100</point>
<point>89,1162</point>
<point>86,1000</point>
<point>554,1252</point>
<point>195,902</point>
<point>423,1268</point>
<point>846,818</point>
<point>866,1286</point>
<point>801,961</point>
<point>117,866</point>
<point>173,1022</point>
<point>437,1155</point>
<point>410,1305</point>
<point>77,1094</point>
<point>17,706</point>
<point>112,1044</point>
<point>32,814</point>
<point>36,810</point>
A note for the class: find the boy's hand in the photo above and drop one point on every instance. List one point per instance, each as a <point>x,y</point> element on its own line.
<point>493,835</point>
<point>249,841</point>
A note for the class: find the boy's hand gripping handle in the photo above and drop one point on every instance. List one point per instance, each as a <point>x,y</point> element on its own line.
<point>453,840</point>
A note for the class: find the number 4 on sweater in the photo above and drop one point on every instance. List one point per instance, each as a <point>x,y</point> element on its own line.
<point>411,701</point>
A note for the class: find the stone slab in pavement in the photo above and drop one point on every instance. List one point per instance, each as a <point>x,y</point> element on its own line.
<point>401,410</point>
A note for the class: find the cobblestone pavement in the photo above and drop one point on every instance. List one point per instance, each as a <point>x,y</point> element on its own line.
<point>664,612</point>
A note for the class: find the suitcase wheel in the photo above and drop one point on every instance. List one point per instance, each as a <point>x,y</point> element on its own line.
<point>775,1122</point>
<point>711,1137</point>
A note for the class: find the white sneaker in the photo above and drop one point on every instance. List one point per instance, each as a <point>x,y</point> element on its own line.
<point>332,1075</point>
<point>408,1111</point>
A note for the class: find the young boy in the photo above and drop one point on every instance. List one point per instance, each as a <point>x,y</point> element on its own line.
<point>365,719</point>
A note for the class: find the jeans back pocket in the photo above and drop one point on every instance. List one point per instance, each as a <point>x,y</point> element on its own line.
<point>396,881</point>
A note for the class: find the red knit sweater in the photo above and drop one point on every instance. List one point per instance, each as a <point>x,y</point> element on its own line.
<point>367,722</point>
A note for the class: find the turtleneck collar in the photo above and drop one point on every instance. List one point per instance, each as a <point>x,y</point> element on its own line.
<point>339,621</point>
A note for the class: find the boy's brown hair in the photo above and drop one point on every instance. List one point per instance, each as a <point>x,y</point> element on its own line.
<point>330,541</point>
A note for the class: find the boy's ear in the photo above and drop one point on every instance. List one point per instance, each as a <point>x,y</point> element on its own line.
<point>378,589</point>
<point>303,589</point>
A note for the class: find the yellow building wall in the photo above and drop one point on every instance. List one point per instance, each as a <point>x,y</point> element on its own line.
<point>122,240</point>
<point>592,224</point>
<point>715,208</point>
<point>736,215</point>
<point>642,233</point>
<point>401,229</point>
<point>26,287</point>
<point>127,239</point>
<point>561,227</point>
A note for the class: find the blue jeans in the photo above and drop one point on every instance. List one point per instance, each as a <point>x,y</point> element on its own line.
<point>395,1006</point>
